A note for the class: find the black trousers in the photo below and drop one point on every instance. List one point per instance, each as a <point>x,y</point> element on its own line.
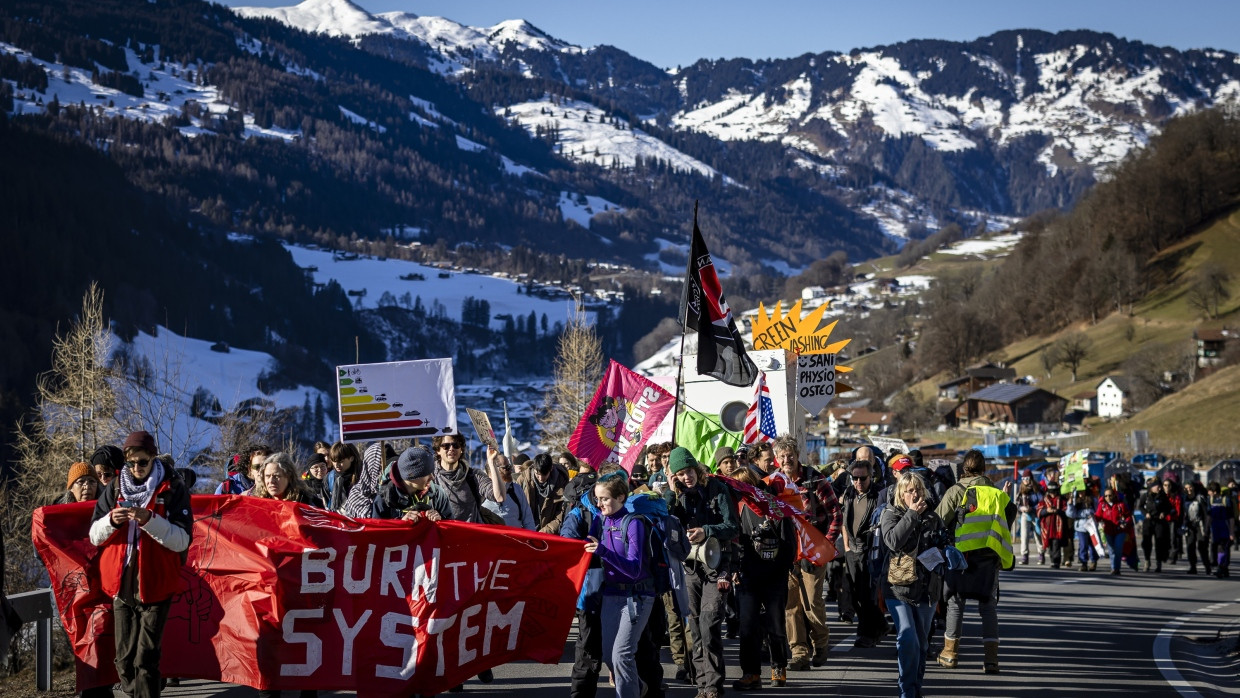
<point>588,655</point>
<point>1198,544</point>
<point>706,604</point>
<point>1156,535</point>
<point>762,604</point>
<point>870,621</point>
<point>1055,550</point>
<point>139,635</point>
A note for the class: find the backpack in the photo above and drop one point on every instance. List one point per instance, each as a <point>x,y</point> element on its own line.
<point>666,547</point>
<point>877,555</point>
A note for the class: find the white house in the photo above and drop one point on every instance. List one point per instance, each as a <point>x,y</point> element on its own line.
<point>1113,394</point>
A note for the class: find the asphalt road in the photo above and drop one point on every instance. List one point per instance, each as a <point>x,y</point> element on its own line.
<point>1063,632</point>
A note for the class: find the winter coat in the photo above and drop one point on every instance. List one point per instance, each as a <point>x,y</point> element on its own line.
<point>546,509</point>
<point>577,522</point>
<point>906,531</point>
<point>707,506</point>
<point>621,549</point>
<point>759,533</point>
<point>1158,510</point>
<point>393,501</point>
<point>236,483</point>
<point>1053,518</point>
<point>516,507</point>
<point>1115,518</point>
<point>860,540</point>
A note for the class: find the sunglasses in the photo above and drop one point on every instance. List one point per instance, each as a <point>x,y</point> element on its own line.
<point>140,463</point>
<point>865,478</point>
<point>449,446</point>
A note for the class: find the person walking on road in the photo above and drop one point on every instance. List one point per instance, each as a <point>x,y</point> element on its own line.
<point>860,501</point>
<point>1116,523</point>
<point>1053,520</point>
<point>1027,499</point>
<point>982,515</point>
<point>705,509</point>
<point>1081,511</point>
<point>1222,529</point>
<point>1156,527</point>
<point>910,528</point>
<point>1196,527</point>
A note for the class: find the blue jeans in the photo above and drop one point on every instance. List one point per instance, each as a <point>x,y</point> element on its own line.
<point>1085,551</point>
<point>622,619</point>
<point>1117,550</point>
<point>912,642</point>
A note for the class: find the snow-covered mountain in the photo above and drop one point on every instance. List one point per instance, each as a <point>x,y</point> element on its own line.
<point>457,44</point>
<point>1006,124</point>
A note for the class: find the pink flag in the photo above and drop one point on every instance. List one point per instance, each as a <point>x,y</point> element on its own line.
<point>625,411</point>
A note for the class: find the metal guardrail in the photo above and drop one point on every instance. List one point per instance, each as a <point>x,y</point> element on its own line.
<point>38,607</point>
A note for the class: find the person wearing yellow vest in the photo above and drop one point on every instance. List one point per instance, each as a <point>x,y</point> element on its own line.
<point>982,516</point>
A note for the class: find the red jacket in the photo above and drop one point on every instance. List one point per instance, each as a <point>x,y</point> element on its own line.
<point>1054,524</point>
<point>159,569</point>
<point>1114,517</point>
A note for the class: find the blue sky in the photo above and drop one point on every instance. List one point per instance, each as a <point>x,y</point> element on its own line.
<point>678,32</point>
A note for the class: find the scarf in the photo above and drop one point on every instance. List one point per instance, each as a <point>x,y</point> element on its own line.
<point>140,493</point>
<point>463,496</point>
<point>362,494</point>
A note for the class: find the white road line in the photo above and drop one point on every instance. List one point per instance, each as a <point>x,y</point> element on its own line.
<point>1162,650</point>
<point>845,645</point>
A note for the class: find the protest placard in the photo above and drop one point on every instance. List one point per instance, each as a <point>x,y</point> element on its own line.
<point>482,425</point>
<point>1074,471</point>
<point>396,400</point>
<point>815,381</point>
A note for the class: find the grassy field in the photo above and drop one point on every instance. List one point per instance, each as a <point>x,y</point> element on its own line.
<point>1201,415</point>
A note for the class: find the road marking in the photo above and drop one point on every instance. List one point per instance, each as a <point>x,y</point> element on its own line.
<point>846,644</point>
<point>1162,650</point>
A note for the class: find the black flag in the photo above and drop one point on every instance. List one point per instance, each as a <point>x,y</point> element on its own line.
<point>721,351</point>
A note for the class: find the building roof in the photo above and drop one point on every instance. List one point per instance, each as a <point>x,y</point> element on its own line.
<point>1087,395</point>
<point>860,415</point>
<point>1213,335</point>
<point>1120,382</point>
<point>991,371</point>
<point>1008,393</point>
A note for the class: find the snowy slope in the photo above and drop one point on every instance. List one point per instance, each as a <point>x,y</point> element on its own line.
<point>377,276</point>
<point>458,45</point>
<point>1093,115</point>
<point>166,92</point>
<point>585,133</point>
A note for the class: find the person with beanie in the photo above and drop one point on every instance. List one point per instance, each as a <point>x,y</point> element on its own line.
<point>315,477</point>
<point>143,524</point>
<point>725,460</point>
<point>82,485</point>
<point>107,460</point>
<point>543,481</point>
<point>409,493</point>
<point>705,508</point>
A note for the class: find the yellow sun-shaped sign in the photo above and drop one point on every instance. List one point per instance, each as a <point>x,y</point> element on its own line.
<point>801,335</point>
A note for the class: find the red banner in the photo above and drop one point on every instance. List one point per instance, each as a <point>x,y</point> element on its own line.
<point>812,545</point>
<point>277,595</point>
<point>626,409</point>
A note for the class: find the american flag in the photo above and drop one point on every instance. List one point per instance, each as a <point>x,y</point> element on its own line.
<point>760,417</point>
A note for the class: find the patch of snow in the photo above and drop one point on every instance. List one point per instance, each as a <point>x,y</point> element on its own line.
<point>375,276</point>
<point>585,133</point>
<point>465,144</point>
<point>359,119</point>
<point>582,209</point>
<point>984,247</point>
<point>331,17</point>
<point>516,169</point>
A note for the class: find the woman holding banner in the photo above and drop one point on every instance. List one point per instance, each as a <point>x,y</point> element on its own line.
<point>628,585</point>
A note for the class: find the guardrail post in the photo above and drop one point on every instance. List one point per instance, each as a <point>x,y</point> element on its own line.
<point>38,607</point>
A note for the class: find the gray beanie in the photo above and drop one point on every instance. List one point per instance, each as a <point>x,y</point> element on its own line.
<point>415,462</point>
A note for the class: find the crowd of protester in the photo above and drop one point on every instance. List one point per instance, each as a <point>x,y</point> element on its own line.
<point>902,532</point>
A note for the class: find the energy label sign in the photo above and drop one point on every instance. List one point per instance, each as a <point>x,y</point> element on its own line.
<point>396,400</point>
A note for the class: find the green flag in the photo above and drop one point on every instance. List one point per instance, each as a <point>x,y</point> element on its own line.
<point>701,433</point>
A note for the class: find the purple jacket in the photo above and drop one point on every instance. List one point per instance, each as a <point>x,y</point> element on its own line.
<point>626,571</point>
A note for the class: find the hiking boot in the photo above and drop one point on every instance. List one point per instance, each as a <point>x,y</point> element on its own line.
<point>1084,567</point>
<point>682,674</point>
<point>820,657</point>
<point>748,682</point>
<point>779,676</point>
<point>865,643</point>
<point>1093,566</point>
<point>1191,570</point>
<point>947,658</point>
<point>1041,558</point>
<point>799,664</point>
<point>487,676</point>
<point>1024,559</point>
<point>1114,573</point>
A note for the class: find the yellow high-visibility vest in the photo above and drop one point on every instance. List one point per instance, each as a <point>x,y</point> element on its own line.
<point>986,527</point>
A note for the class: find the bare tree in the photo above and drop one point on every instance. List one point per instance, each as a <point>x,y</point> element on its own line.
<point>154,395</point>
<point>1073,348</point>
<point>1210,289</point>
<point>578,368</point>
<point>1050,359</point>
<point>74,413</point>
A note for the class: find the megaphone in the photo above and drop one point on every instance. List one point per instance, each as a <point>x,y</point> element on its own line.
<point>707,552</point>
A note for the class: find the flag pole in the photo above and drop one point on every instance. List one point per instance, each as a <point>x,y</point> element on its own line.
<point>684,328</point>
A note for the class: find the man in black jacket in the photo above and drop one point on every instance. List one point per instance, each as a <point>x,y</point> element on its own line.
<point>859,502</point>
<point>705,509</point>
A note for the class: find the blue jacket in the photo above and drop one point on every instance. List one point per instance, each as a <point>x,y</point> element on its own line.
<point>577,524</point>
<point>236,483</point>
